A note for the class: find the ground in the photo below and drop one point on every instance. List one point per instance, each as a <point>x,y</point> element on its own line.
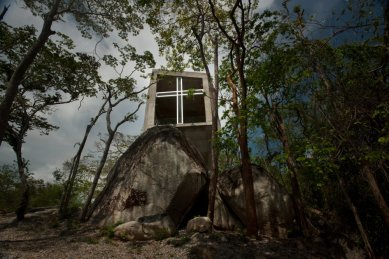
<point>42,235</point>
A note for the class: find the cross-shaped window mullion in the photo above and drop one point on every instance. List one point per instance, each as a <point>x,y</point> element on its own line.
<point>180,101</point>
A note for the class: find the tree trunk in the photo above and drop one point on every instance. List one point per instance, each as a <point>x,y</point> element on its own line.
<point>214,107</point>
<point>379,198</point>
<point>215,123</point>
<point>361,229</point>
<point>5,9</point>
<point>239,49</point>
<point>85,209</point>
<point>246,170</point>
<point>247,178</point>
<point>13,84</point>
<point>67,194</point>
<point>24,199</point>
<point>291,164</point>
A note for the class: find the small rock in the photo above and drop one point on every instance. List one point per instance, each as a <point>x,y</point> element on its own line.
<point>135,230</point>
<point>199,224</point>
<point>132,230</point>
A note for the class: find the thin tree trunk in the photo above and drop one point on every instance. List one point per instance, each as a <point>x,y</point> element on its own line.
<point>239,49</point>
<point>13,84</point>
<point>358,221</point>
<point>24,199</point>
<point>85,209</point>
<point>215,122</point>
<point>379,198</point>
<point>214,107</point>
<point>247,178</point>
<point>67,194</point>
<point>86,212</point>
<point>291,164</point>
<point>5,9</point>
<point>246,170</point>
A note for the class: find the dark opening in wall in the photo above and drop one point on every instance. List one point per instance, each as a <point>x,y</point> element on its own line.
<point>192,83</point>
<point>166,83</point>
<point>199,208</point>
<point>179,100</point>
<point>165,110</point>
<point>194,109</point>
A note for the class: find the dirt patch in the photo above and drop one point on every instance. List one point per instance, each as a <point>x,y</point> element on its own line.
<point>42,235</point>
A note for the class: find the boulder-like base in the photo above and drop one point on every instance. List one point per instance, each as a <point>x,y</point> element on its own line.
<point>161,174</point>
<point>274,206</point>
<point>161,179</point>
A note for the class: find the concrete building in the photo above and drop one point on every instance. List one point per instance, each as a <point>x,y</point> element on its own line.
<point>181,99</point>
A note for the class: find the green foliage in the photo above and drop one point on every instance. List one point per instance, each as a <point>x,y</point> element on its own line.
<point>333,102</point>
<point>318,108</point>
<point>57,71</point>
<point>175,28</point>
<point>108,230</point>
<point>229,151</point>
<point>94,18</point>
<point>45,194</point>
<point>10,188</point>
<point>58,76</point>
<point>42,194</point>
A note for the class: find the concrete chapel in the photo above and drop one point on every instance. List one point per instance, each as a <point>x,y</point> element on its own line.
<point>181,99</point>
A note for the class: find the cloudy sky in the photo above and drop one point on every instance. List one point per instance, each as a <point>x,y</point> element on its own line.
<point>46,153</point>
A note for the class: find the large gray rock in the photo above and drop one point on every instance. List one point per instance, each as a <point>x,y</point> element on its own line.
<point>273,204</point>
<point>224,218</point>
<point>160,174</point>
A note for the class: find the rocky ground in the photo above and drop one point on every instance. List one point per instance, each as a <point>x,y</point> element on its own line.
<point>42,235</point>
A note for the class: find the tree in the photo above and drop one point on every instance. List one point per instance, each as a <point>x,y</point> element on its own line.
<point>348,119</point>
<point>115,92</point>
<point>273,73</point>
<point>73,171</point>
<point>322,104</point>
<point>91,17</point>
<point>81,180</point>
<point>240,18</point>
<point>57,77</point>
<point>107,143</point>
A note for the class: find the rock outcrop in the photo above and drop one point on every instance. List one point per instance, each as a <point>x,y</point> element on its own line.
<point>160,183</point>
<point>273,204</point>
<point>159,176</point>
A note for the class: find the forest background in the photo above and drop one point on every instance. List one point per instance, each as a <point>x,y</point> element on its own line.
<point>304,91</point>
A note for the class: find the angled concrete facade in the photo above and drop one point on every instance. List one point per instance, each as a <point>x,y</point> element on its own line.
<point>181,99</point>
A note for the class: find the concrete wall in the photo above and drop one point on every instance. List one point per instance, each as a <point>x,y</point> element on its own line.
<point>198,133</point>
